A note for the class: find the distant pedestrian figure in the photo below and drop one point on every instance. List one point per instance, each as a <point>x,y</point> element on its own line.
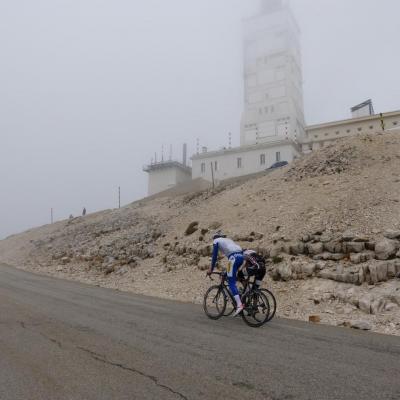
<point>84,211</point>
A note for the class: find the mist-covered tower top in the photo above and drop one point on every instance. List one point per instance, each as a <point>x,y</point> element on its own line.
<point>273,93</point>
<point>271,5</point>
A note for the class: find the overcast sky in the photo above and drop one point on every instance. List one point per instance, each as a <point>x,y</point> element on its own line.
<point>90,89</point>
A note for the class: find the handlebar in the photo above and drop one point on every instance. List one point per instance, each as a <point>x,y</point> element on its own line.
<point>215,273</point>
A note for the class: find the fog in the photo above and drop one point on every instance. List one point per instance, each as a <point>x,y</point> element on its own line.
<point>91,89</point>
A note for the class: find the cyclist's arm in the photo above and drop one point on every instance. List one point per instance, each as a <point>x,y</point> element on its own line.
<point>214,256</point>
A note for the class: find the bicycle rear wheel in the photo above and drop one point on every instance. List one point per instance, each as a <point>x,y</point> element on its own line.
<point>256,309</point>
<point>214,303</point>
<point>271,302</point>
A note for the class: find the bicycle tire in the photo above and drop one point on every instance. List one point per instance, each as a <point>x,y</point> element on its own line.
<point>250,309</point>
<point>272,303</point>
<point>219,294</point>
<point>230,305</point>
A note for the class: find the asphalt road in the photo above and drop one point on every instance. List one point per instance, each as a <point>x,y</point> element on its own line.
<point>64,340</point>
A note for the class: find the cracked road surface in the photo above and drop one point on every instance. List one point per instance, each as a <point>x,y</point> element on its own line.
<point>65,340</point>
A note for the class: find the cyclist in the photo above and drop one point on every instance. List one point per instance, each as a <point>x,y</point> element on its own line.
<point>254,266</point>
<point>234,254</point>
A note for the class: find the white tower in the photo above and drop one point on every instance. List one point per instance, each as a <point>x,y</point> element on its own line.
<point>273,104</point>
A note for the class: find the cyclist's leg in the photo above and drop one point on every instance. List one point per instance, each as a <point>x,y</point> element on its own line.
<point>234,264</point>
<point>259,275</point>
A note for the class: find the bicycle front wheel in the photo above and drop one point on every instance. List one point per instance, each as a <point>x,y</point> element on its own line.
<point>256,309</point>
<point>271,301</point>
<point>214,303</point>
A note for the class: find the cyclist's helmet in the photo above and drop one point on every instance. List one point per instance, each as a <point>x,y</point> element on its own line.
<point>218,235</point>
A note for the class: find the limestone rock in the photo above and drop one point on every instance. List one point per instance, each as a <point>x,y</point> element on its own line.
<point>364,304</point>
<point>192,228</point>
<point>333,247</point>
<point>204,264</point>
<point>314,248</point>
<point>65,260</point>
<point>385,249</point>
<point>382,271</point>
<point>257,235</point>
<point>353,247</point>
<point>377,306</point>
<point>391,269</point>
<point>370,246</point>
<point>390,306</point>
<point>362,325</point>
<point>296,248</point>
<point>308,269</point>
<point>357,258</point>
<point>329,256</point>
<point>326,237</point>
<point>348,236</point>
<point>284,272</point>
<point>391,234</point>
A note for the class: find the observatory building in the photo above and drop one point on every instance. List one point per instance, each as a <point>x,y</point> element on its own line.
<point>166,174</point>
<point>273,116</point>
<point>272,126</point>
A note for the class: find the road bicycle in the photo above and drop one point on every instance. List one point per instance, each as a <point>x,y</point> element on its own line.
<point>219,302</point>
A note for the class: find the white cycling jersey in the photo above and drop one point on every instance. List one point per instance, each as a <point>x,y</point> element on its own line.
<point>227,246</point>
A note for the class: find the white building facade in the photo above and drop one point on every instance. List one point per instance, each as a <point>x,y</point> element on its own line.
<point>245,160</point>
<point>273,94</point>
<point>320,135</point>
<point>165,175</point>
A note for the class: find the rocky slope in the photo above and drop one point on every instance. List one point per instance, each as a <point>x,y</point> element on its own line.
<point>329,225</point>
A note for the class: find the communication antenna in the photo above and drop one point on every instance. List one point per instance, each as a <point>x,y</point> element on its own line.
<point>230,139</point>
<point>155,158</point>
<point>162,153</point>
<point>170,152</point>
<point>184,154</point>
<point>197,145</point>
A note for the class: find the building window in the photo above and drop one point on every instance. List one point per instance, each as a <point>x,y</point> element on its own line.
<point>348,131</point>
<point>326,133</point>
<point>203,168</point>
<point>337,132</point>
<point>371,127</point>
<point>359,129</point>
<point>395,123</point>
<point>239,162</point>
<point>215,165</point>
<point>266,110</point>
<point>260,111</point>
<point>272,109</point>
<point>316,136</point>
<point>278,156</point>
<point>262,159</point>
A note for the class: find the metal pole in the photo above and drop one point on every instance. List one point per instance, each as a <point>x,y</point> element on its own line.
<point>382,121</point>
<point>51,215</point>
<point>212,175</point>
<point>119,196</point>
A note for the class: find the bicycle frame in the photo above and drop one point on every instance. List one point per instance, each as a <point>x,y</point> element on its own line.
<point>225,287</point>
